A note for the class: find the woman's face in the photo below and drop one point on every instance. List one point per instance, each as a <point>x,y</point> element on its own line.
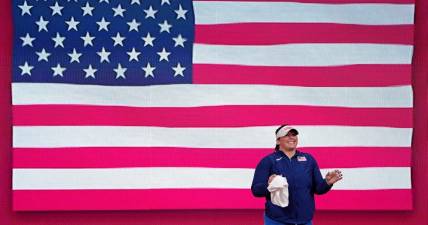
<point>288,142</point>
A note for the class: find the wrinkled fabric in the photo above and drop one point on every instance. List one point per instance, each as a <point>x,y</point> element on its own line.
<point>278,189</point>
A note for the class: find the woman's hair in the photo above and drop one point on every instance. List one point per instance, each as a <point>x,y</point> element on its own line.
<point>276,132</point>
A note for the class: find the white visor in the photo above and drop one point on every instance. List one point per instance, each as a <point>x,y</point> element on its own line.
<point>284,131</point>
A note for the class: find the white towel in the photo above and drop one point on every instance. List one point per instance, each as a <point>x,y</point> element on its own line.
<point>278,189</point>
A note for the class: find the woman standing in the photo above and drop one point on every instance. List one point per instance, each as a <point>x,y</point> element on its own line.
<point>302,174</point>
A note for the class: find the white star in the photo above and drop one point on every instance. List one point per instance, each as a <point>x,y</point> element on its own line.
<point>181,13</point>
<point>118,11</point>
<point>87,10</point>
<point>118,40</point>
<point>133,25</point>
<point>58,70</point>
<point>42,24</point>
<point>43,55</point>
<point>165,1</point>
<point>72,24</point>
<point>106,1</point>
<point>164,26</point>
<point>148,40</point>
<point>90,72</point>
<point>103,55</point>
<point>25,9</point>
<point>148,70</point>
<point>74,56</point>
<point>103,24</point>
<point>120,72</point>
<point>87,39</point>
<point>27,40</point>
<point>178,70</point>
<point>58,40</point>
<point>133,55</point>
<point>179,40</point>
<point>163,55</point>
<point>135,1</point>
<point>56,9</point>
<point>150,12</point>
<point>26,69</point>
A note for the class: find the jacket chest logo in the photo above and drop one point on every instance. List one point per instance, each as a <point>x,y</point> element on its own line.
<point>301,159</point>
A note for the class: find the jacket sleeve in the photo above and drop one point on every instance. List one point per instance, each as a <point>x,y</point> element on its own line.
<point>320,184</point>
<point>260,179</point>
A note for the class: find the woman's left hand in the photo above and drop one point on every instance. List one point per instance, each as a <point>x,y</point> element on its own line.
<point>333,177</point>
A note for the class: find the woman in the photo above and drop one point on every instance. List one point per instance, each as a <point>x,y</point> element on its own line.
<point>303,177</point>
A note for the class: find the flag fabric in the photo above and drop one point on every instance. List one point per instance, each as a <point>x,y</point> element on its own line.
<point>166,104</point>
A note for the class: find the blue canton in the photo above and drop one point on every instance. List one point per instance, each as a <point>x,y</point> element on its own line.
<point>105,42</point>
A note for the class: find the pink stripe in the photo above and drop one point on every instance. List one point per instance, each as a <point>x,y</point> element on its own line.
<point>196,199</point>
<point>332,76</point>
<point>400,199</point>
<point>27,115</point>
<point>110,157</point>
<point>322,1</point>
<point>283,33</point>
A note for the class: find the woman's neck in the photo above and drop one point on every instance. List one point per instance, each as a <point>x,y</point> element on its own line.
<point>288,152</point>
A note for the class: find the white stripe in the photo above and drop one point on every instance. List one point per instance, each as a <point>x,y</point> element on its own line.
<point>373,178</point>
<point>237,137</point>
<point>222,12</point>
<point>302,54</point>
<point>157,178</point>
<point>186,95</point>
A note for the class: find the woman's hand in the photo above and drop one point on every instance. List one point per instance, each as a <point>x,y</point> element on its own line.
<point>333,177</point>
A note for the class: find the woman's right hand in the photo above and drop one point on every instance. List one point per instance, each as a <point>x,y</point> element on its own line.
<point>271,178</point>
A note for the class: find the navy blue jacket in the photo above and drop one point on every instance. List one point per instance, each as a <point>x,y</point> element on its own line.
<point>304,180</point>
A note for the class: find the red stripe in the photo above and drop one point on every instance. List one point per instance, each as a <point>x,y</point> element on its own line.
<point>283,33</point>
<point>110,157</point>
<point>332,76</point>
<point>41,200</point>
<point>400,199</point>
<point>323,1</point>
<point>225,116</point>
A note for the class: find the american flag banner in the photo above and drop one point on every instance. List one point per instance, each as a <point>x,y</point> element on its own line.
<point>167,104</point>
